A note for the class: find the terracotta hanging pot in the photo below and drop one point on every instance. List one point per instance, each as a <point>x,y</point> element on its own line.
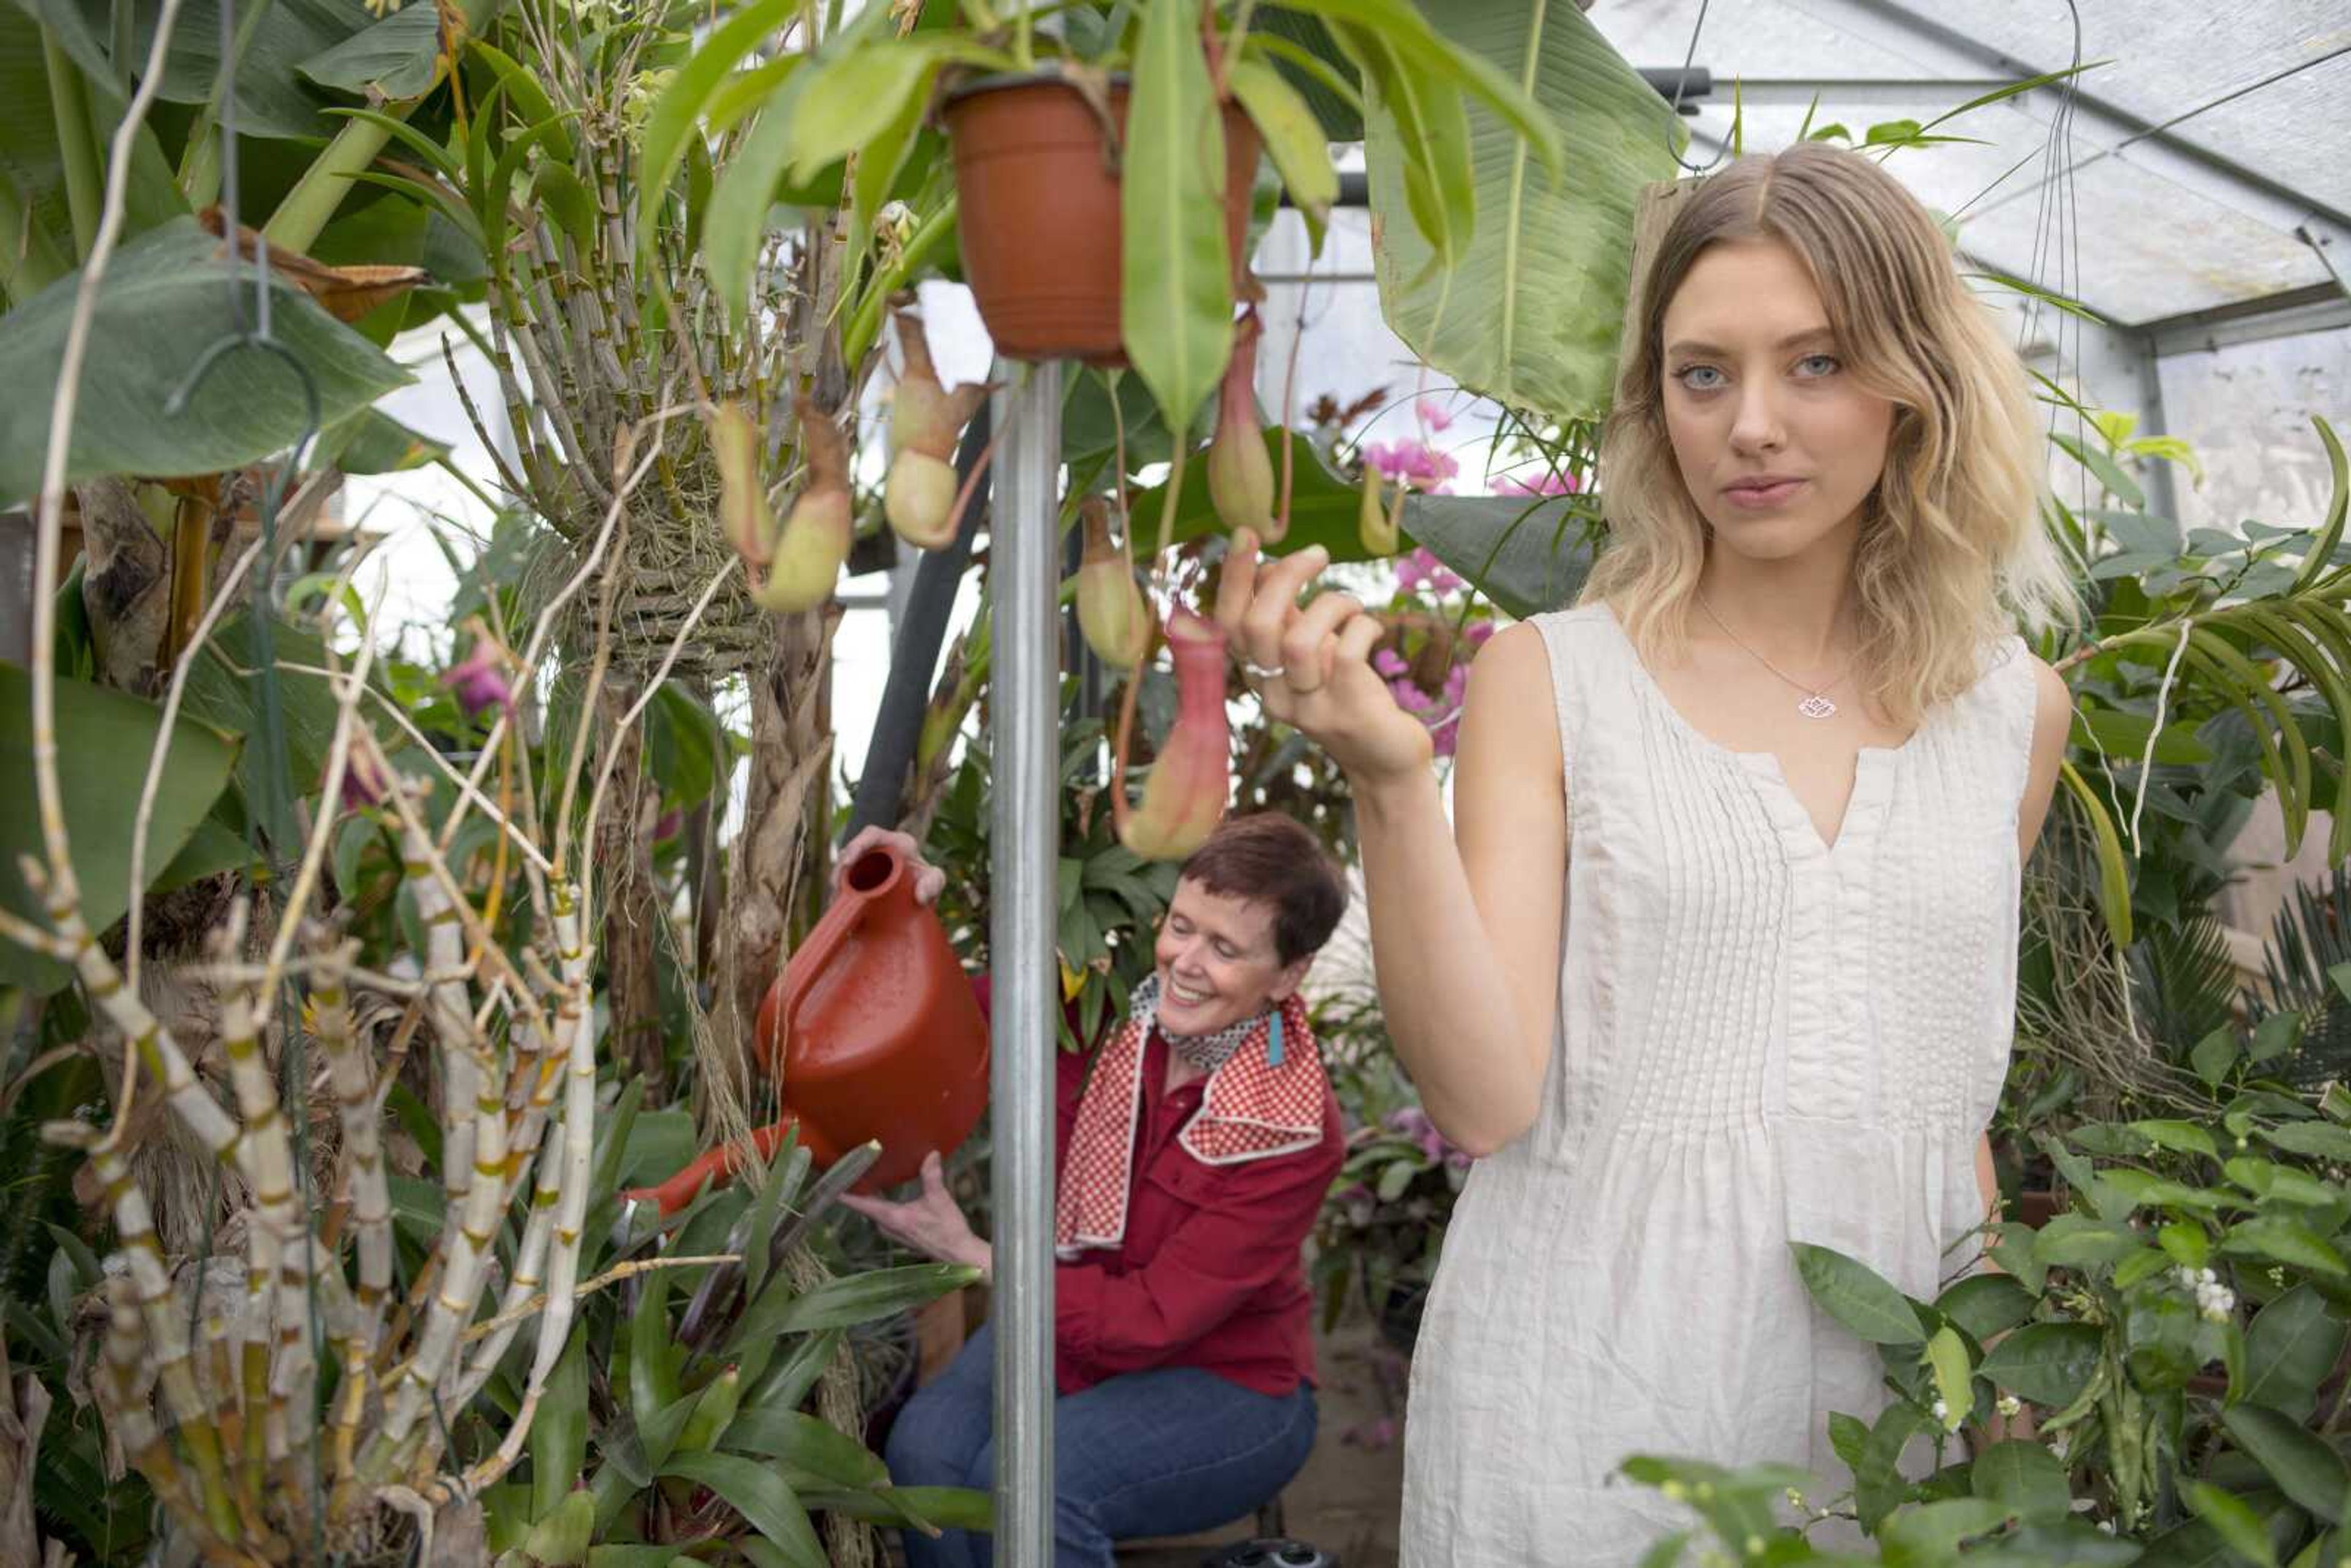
<point>1038,211</point>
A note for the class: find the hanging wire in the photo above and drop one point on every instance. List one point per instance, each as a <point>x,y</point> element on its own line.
<point>1674,119</point>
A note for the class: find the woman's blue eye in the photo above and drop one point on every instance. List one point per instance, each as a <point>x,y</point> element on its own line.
<point>1827,361</point>
<point>1687,377</point>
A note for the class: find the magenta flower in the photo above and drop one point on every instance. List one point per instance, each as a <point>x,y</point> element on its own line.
<point>1414,464</point>
<point>479,683</point>
<point>363,781</point>
<point>1432,414</point>
<point>1413,1124</point>
<point>1420,569</point>
<point>1545,484</point>
<point>1388,662</point>
<point>670,824</point>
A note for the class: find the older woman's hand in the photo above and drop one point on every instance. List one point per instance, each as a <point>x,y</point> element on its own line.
<point>931,1225</point>
<point>929,880</point>
<point>1323,684</point>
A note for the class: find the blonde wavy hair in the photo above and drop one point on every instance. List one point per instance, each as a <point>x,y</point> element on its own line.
<point>1952,551</point>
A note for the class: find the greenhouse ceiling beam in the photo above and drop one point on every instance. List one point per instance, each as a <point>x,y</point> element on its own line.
<point>1706,143</point>
<point>2156,149</point>
<point>2321,307</point>
<point>1890,92</point>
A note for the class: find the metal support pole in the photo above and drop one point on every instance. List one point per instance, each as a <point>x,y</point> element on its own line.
<point>1025,834</point>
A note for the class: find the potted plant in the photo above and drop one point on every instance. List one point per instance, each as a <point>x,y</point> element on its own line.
<point>1103,168</point>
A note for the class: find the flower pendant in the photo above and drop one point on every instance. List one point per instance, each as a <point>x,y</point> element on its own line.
<point>1816,707</point>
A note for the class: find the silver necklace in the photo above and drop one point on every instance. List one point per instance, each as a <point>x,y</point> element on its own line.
<point>1816,704</point>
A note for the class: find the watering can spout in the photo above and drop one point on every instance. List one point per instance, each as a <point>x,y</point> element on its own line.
<point>871,1032</point>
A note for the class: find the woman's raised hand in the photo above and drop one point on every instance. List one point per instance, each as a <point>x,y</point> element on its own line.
<point>1311,666</point>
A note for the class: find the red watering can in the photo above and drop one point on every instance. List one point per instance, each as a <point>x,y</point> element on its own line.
<point>873,1032</point>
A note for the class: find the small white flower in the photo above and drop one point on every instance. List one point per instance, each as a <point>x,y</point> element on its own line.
<point>2008,1404</point>
<point>2208,1277</point>
<point>1795,1498</point>
<point>1754,1546</point>
<point>1942,1412</point>
<point>2106,1526</point>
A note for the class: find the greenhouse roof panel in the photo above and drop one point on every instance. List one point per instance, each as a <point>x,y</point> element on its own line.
<point>2190,156</point>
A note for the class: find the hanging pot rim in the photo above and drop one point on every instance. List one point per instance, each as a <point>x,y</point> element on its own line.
<point>1000,81</point>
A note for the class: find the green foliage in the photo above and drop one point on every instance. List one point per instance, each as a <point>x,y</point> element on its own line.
<point>1527,309</point>
<point>164,304</point>
<point>682,1408</point>
<point>104,738</point>
<point>2170,1337</point>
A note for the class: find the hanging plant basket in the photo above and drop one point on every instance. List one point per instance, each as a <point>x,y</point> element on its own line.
<point>1038,211</point>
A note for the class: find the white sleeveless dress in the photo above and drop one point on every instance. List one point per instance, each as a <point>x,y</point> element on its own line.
<point>1761,1038</point>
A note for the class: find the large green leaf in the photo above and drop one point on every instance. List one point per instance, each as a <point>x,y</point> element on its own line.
<point>559,1432</point>
<point>395,59</point>
<point>735,223</point>
<point>2048,1364</point>
<point>1342,118</point>
<point>2304,1469</point>
<point>374,442</point>
<point>1856,1295</point>
<point>1176,306</point>
<point>274,96</point>
<point>1528,554</point>
<point>756,1491</point>
<point>222,691</point>
<point>2024,1477</point>
<point>856,1299</point>
<point>804,1443</point>
<point>166,302</point>
<point>1532,313</point>
<point>103,741</point>
<point>1323,506</point>
<point>30,161</point>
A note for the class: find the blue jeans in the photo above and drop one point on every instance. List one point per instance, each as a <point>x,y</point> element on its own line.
<point>1164,1452</point>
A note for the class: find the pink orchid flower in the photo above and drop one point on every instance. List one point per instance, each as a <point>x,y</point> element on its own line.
<point>479,682</point>
<point>1544,484</point>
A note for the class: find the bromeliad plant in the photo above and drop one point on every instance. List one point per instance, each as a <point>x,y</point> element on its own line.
<point>707,1410</point>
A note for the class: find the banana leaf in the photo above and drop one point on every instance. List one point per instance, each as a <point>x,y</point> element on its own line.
<point>1531,314</point>
<point>104,737</point>
<point>164,303</point>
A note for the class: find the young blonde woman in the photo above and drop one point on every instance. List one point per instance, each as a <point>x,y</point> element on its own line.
<point>1725,956</point>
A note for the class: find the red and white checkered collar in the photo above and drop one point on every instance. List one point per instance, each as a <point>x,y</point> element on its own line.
<point>1258,1105</point>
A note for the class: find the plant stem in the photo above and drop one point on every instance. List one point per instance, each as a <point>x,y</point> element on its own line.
<point>77,147</point>
<point>304,212</point>
<point>866,320</point>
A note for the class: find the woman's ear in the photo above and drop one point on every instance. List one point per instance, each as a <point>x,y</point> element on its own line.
<point>1285,984</point>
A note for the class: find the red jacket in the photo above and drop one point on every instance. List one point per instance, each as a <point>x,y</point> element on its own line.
<point>1210,1275</point>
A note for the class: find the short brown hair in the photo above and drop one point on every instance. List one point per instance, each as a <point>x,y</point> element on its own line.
<point>1266,856</point>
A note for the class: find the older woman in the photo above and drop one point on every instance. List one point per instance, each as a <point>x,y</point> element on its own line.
<point>1193,1150</point>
